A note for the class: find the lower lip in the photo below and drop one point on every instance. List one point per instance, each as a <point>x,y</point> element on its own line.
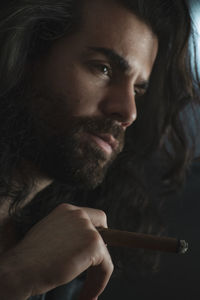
<point>101,143</point>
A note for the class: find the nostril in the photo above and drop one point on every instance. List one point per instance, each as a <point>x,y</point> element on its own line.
<point>130,122</point>
<point>120,106</point>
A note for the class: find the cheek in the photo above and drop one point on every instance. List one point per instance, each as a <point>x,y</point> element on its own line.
<point>81,96</point>
<point>74,91</point>
<point>56,112</point>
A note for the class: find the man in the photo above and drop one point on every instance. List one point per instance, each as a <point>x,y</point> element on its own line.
<point>71,74</point>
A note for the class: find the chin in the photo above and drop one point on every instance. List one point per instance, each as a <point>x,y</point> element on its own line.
<point>85,172</point>
<point>85,179</point>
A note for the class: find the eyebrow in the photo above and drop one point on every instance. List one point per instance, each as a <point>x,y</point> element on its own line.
<point>114,57</point>
<point>119,61</point>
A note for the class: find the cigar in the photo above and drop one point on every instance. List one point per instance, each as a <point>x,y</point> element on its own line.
<point>133,240</point>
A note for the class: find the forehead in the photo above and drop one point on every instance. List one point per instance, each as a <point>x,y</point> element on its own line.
<point>106,23</point>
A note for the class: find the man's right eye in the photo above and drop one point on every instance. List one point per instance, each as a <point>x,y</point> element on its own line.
<point>104,69</point>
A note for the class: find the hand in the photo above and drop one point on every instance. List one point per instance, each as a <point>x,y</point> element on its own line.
<point>62,246</point>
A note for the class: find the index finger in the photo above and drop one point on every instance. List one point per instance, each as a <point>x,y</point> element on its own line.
<point>97,216</point>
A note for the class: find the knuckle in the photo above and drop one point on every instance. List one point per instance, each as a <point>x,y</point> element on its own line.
<point>108,270</point>
<point>64,207</point>
<point>109,262</point>
<point>73,210</point>
<point>103,216</point>
<point>111,267</point>
<point>80,213</point>
<point>94,240</point>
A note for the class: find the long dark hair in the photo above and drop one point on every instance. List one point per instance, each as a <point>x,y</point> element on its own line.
<point>27,30</point>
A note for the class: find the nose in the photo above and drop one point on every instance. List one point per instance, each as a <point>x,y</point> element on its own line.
<point>119,104</point>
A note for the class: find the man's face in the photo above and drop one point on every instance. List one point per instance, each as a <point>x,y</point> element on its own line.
<point>85,89</point>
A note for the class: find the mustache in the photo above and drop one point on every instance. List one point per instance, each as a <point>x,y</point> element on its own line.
<point>98,125</point>
<point>91,124</point>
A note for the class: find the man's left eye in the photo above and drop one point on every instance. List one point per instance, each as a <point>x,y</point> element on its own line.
<point>139,92</point>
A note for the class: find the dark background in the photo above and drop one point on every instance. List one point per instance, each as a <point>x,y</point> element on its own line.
<point>179,275</point>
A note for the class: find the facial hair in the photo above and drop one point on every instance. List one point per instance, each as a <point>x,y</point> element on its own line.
<point>60,151</point>
<point>67,157</point>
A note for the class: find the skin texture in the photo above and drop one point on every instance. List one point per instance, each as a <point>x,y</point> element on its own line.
<point>66,243</point>
<point>77,84</point>
<point>58,249</point>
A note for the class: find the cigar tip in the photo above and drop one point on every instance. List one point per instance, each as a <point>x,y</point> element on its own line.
<point>183,247</point>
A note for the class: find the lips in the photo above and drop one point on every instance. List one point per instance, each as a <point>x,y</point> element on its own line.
<point>105,141</point>
<point>109,139</point>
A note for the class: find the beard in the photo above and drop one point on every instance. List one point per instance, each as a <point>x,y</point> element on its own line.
<point>69,157</point>
<point>58,145</point>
